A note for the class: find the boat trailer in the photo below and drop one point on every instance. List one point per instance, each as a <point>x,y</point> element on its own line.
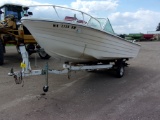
<point>118,65</point>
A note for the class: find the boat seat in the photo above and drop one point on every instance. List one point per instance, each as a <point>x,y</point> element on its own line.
<point>81,21</point>
<point>68,18</point>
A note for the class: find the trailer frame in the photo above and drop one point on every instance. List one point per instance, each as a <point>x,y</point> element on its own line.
<point>118,65</point>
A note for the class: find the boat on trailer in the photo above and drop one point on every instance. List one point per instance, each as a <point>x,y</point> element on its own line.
<point>82,41</point>
<point>76,36</point>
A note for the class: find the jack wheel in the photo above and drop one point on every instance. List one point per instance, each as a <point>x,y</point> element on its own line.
<point>45,88</point>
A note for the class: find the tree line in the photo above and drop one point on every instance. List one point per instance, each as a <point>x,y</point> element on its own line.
<point>158,27</point>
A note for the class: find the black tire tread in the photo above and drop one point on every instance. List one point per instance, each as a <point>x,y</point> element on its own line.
<point>46,57</point>
<point>120,64</point>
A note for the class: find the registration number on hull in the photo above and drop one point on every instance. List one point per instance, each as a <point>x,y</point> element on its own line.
<point>65,26</point>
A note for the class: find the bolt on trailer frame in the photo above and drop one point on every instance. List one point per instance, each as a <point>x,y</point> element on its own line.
<point>118,65</point>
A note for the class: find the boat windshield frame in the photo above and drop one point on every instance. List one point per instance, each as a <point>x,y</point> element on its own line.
<point>91,22</point>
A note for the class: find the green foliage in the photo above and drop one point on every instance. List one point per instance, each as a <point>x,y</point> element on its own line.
<point>158,27</point>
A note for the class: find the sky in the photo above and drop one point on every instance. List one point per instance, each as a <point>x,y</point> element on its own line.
<point>126,16</point>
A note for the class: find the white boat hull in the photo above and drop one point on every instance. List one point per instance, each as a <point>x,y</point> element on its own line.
<point>74,42</point>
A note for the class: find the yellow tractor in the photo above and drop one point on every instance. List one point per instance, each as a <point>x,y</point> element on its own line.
<point>13,32</point>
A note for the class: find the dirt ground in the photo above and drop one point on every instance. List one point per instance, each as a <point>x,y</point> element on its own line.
<point>87,95</point>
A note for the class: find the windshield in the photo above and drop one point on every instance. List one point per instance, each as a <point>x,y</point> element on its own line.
<point>108,27</point>
<point>94,23</point>
<point>12,13</point>
<point>2,15</point>
<point>102,21</point>
<point>12,10</point>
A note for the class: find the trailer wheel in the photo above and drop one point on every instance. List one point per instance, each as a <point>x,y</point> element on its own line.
<point>30,48</point>
<point>120,69</point>
<point>44,55</point>
<point>1,53</point>
<point>45,88</point>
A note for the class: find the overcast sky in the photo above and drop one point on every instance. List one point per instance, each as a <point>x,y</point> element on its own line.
<point>126,16</point>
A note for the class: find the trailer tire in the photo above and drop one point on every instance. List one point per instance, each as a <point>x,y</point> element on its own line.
<point>44,55</point>
<point>1,53</point>
<point>120,69</point>
<point>30,48</point>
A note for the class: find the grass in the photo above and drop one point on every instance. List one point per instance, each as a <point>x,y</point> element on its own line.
<point>10,45</point>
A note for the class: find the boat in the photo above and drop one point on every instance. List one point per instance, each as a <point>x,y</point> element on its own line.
<point>81,40</point>
<point>76,36</point>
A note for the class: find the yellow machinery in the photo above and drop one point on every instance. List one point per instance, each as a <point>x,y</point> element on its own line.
<point>13,32</point>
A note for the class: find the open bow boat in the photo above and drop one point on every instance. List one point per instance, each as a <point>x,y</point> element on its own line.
<point>76,36</point>
<point>84,42</point>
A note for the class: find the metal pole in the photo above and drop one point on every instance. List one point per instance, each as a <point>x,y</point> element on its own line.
<point>46,76</point>
<point>45,88</point>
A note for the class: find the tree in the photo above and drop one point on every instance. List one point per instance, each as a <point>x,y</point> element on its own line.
<point>122,35</point>
<point>158,27</point>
